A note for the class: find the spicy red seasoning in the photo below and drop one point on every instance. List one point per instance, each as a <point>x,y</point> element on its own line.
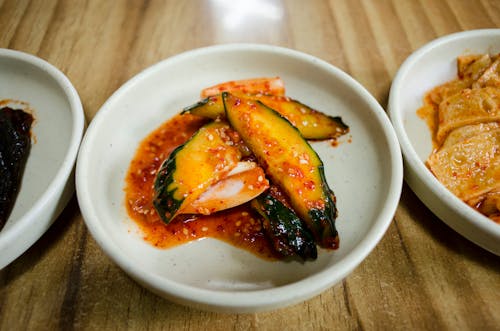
<point>238,226</point>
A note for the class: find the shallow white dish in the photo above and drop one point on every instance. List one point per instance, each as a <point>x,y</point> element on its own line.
<point>366,175</point>
<point>47,182</point>
<point>431,65</point>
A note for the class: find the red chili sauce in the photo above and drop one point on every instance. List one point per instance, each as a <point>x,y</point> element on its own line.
<point>238,226</point>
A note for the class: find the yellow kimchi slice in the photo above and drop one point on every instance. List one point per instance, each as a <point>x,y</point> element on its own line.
<point>490,77</point>
<point>471,167</point>
<point>471,67</point>
<point>468,131</point>
<point>487,204</point>
<point>470,106</point>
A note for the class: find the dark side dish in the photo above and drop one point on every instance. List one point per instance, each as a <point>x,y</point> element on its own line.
<point>15,144</point>
<point>237,166</point>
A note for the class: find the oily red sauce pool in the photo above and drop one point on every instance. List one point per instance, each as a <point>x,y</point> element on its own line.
<point>238,226</point>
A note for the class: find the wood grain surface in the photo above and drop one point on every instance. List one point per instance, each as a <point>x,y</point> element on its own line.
<point>422,275</point>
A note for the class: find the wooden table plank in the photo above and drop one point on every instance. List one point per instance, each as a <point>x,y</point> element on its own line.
<point>422,275</point>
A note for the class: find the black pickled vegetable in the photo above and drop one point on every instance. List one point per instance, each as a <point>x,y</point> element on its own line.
<point>15,143</point>
<point>283,227</point>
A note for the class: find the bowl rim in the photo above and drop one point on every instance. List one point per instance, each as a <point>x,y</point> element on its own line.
<point>260,299</point>
<point>51,194</point>
<point>411,157</point>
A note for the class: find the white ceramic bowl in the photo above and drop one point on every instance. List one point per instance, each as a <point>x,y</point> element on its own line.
<point>431,65</point>
<point>47,182</point>
<point>366,175</point>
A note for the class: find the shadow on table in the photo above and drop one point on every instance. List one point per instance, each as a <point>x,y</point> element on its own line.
<point>445,235</point>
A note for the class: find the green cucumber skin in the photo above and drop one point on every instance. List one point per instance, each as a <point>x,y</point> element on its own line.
<point>199,104</point>
<point>203,108</point>
<point>321,222</point>
<point>189,109</point>
<point>167,200</point>
<point>324,219</point>
<point>339,122</point>
<point>284,228</point>
<point>344,128</point>
<point>163,201</point>
<point>200,108</point>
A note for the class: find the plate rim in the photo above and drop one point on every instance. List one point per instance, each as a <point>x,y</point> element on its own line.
<point>414,163</point>
<point>260,299</point>
<point>62,177</point>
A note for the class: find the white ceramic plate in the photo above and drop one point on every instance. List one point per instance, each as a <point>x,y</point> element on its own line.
<point>366,175</point>
<point>434,64</point>
<point>47,182</point>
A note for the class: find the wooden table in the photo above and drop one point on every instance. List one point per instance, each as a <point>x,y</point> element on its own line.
<point>422,275</point>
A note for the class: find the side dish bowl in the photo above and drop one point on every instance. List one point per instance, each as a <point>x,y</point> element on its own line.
<point>365,171</point>
<point>47,182</point>
<point>432,65</point>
